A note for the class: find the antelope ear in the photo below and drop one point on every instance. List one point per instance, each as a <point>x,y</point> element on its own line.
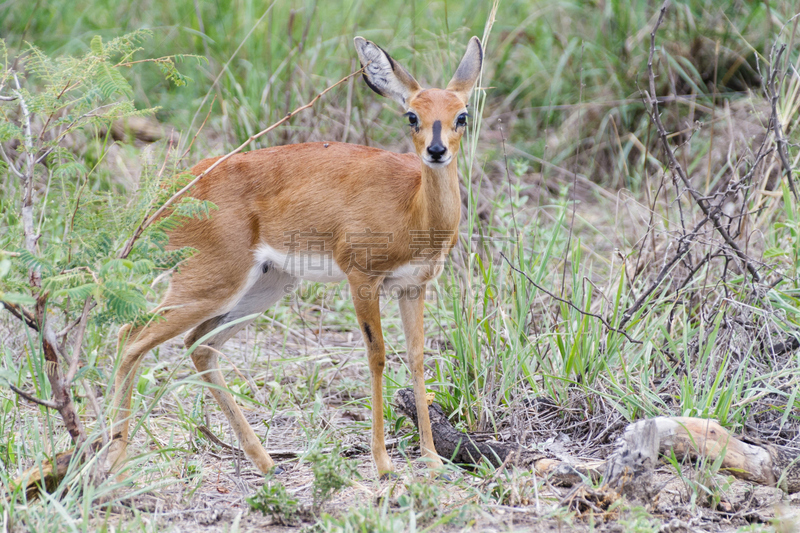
<point>468,70</point>
<point>383,74</point>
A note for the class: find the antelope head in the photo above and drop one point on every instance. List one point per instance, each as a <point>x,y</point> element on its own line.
<point>437,117</point>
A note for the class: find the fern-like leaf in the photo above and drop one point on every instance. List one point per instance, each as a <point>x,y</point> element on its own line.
<point>124,302</point>
<point>33,262</point>
<point>81,292</point>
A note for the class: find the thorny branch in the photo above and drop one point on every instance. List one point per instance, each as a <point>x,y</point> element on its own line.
<point>713,212</point>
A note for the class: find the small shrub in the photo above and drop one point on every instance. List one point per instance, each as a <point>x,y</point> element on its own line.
<point>332,472</point>
<point>424,499</point>
<point>273,499</point>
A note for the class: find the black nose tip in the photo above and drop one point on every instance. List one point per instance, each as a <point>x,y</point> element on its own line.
<point>436,151</point>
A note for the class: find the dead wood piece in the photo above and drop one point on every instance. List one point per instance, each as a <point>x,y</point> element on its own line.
<point>450,443</point>
<point>463,449</point>
<point>693,438</point>
<point>629,471</point>
<point>44,477</point>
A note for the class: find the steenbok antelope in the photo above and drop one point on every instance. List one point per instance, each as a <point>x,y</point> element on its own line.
<point>321,212</point>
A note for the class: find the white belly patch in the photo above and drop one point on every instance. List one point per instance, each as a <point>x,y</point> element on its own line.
<point>414,273</point>
<point>320,266</point>
<point>312,265</point>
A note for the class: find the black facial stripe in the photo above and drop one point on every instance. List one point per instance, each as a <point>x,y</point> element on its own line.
<point>437,133</point>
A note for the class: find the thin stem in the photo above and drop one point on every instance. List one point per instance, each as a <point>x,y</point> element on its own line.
<point>570,304</point>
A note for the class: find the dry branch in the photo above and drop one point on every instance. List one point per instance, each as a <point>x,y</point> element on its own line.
<point>713,212</point>
<point>695,438</point>
<point>570,304</point>
<point>772,94</point>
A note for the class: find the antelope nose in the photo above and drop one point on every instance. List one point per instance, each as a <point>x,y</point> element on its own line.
<point>436,151</point>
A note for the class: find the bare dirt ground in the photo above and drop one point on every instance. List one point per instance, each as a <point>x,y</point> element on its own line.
<point>206,480</point>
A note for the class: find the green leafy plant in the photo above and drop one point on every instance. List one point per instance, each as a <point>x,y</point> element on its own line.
<point>273,499</point>
<point>425,499</point>
<point>367,519</point>
<point>332,472</point>
<point>71,261</point>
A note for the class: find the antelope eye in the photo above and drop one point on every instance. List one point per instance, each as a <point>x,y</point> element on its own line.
<point>462,119</point>
<point>412,118</point>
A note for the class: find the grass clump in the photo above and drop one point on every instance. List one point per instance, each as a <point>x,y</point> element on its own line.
<point>363,520</point>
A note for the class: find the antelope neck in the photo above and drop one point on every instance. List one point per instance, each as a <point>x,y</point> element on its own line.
<point>438,198</point>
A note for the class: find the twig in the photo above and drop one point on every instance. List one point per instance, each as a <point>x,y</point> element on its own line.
<point>98,412</point>
<point>162,59</point>
<point>772,93</point>
<point>152,218</point>
<point>50,117</point>
<point>10,163</point>
<point>22,314</point>
<point>570,304</point>
<point>684,244</point>
<point>89,114</point>
<point>88,305</point>
<point>210,108</point>
<point>69,327</point>
<point>712,213</point>
<point>33,399</point>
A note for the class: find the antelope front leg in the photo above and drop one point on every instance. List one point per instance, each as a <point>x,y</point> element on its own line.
<point>368,311</point>
<point>412,309</point>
